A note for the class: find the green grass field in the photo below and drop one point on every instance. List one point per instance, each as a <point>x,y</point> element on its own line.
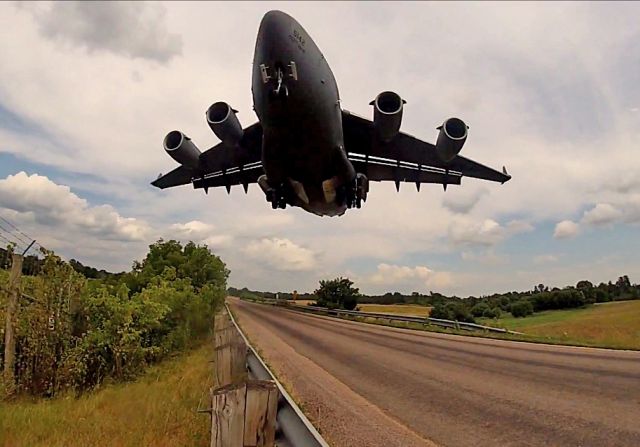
<point>158,409</point>
<point>397,309</point>
<point>614,325</point>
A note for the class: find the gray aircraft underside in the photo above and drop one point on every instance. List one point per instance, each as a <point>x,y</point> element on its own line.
<point>307,151</point>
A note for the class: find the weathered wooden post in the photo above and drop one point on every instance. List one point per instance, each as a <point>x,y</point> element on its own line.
<point>260,413</point>
<point>230,363</point>
<point>227,416</point>
<point>244,415</point>
<point>10,317</point>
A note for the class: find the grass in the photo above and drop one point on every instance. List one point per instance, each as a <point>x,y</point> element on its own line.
<point>158,409</point>
<point>615,324</point>
<point>414,310</point>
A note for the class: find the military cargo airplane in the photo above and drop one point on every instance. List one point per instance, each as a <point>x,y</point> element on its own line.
<point>305,150</point>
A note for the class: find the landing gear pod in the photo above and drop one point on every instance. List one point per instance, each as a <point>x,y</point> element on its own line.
<point>452,136</point>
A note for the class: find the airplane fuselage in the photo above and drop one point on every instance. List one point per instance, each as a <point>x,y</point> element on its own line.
<point>296,98</point>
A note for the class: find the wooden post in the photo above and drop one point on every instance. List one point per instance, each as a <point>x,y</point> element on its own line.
<point>221,321</point>
<point>260,413</point>
<point>230,364</point>
<point>227,416</point>
<point>244,415</point>
<point>226,336</point>
<point>9,337</point>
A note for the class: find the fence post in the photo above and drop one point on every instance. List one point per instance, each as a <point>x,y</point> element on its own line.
<point>260,413</point>
<point>227,416</point>
<point>230,352</point>
<point>10,317</point>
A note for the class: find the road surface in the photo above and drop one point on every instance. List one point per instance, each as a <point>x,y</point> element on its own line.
<point>364,384</point>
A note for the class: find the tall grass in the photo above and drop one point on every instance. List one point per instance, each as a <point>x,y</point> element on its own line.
<point>159,409</point>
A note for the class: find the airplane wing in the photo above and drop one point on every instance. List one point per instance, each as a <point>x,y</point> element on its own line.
<point>222,165</point>
<point>407,154</point>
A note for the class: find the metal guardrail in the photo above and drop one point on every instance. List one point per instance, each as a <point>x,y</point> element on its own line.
<point>293,429</point>
<point>450,324</point>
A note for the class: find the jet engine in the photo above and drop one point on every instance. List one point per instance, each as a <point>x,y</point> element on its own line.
<point>223,121</point>
<point>452,136</point>
<point>181,149</point>
<point>387,114</point>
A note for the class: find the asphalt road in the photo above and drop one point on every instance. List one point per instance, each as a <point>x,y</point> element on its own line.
<point>452,390</point>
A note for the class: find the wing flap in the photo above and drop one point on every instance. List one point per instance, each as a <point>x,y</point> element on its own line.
<point>379,170</point>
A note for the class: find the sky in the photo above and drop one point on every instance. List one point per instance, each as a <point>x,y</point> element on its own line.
<point>549,90</point>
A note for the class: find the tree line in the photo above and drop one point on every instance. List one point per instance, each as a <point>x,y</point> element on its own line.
<point>74,331</point>
<point>519,304</point>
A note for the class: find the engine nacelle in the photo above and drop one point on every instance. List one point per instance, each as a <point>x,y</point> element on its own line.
<point>181,149</point>
<point>387,115</point>
<point>452,136</point>
<point>223,121</point>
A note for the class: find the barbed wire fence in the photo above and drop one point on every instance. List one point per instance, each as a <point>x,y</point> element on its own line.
<point>14,240</point>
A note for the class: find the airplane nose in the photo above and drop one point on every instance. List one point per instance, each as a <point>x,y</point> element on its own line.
<point>274,26</point>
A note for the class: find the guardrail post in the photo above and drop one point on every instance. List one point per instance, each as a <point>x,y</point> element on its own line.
<point>230,352</point>
<point>227,416</point>
<point>260,413</point>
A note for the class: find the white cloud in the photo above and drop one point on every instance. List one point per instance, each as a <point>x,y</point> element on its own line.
<point>52,204</point>
<point>566,229</point>
<point>131,29</point>
<point>601,214</point>
<point>463,201</point>
<point>486,257</point>
<point>417,277</point>
<point>487,233</point>
<point>281,254</point>
<point>199,232</point>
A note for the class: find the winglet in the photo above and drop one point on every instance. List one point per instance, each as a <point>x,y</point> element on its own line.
<point>504,171</point>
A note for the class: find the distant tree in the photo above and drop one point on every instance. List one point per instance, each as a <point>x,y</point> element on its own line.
<point>492,312</point>
<point>337,293</point>
<point>521,308</point>
<point>479,309</point>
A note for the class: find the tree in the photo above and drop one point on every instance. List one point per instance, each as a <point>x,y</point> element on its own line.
<point>337,293</point>
<point>479,309</point>
<point>492,312</point>
<point>521,308</point>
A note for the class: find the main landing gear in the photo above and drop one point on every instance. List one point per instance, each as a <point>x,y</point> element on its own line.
<point>277,196</point>
<point>356,193</point>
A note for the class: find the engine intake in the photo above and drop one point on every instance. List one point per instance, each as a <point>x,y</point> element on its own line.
<point>181,149</point>
<point>452,136</point>
<point>224,123</point>
<point>387,114</point>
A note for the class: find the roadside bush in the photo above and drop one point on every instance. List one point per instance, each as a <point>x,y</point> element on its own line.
<point>492,312</point>
<point>479,309</point>
<point>521,309</point>
<point>452,311</point>
<point>75,333</point>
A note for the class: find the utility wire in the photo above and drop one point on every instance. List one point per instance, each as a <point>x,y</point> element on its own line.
<point>8,241</point>
<point>17,229</point>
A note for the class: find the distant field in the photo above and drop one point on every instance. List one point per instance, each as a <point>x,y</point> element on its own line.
<point>159,409</point>
<point>396,309</point>
<point>614,324</point>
